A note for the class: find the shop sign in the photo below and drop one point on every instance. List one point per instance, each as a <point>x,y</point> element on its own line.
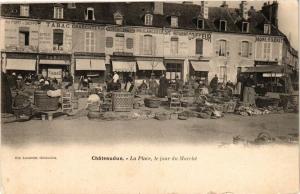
<point>163,31</point>
<point>53,24</point>
<point>268,39</point>
<point>55,73</point>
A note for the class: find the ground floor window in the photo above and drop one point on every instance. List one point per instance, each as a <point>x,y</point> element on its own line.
<point>173,70</point>
<point>52,71</point>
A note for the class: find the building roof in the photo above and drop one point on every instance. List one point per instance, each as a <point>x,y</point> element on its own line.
<point>133,15</point>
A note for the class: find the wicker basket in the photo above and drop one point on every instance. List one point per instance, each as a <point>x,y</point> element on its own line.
<point>122,101</point>
<point>44,102</point>
<point>162,116</point>
<point>22,110</point>
<point>152,102</point>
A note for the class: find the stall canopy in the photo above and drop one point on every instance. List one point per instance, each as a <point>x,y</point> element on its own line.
<point>267,69</point>
<point>90,64</point>
<point>149,65</point>
<point>21,64</point>
<point>54,62</point>
<point>124,66</point>
<point>200,65</point>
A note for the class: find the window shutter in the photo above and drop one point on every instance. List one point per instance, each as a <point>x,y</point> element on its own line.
<point>275,51</point>
<point>250,50</point>
<point>141,44</point>
<point>153,45</point>
<point>259,50</point>
<point>217,47</point>
<point>227,48</point>
<point>241,48</point>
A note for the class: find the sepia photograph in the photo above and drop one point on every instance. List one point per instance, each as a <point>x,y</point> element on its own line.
<point>149,97</point>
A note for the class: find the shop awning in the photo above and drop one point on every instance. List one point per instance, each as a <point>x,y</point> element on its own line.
<point>267,69</point>
<point>148,65</point>
<point>200,65</point>
<point>90,64</point>
<point>124,66</point>
<point>21,64</point>
<point>54,62</point>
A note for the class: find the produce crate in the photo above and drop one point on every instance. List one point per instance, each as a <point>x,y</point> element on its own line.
<point>122,101</point>
<point>44,102</point>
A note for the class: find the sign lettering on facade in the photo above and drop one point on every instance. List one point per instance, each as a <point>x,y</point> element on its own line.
<point>268,39</point>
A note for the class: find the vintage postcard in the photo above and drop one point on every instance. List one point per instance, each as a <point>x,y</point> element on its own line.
<point>149,97</point>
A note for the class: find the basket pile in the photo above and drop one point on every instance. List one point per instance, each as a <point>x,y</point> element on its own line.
<point>152,102</point>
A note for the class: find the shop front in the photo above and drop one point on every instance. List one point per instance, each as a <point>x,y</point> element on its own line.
<point>54,66</point>
<point>174,69</point>
<point>124,68</point>
<point>147,67</point>
<point>20,63</point>
<point>200,70</point>
<point>92,66</point>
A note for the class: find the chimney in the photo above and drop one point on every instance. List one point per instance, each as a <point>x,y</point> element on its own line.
<point>270,11</point>
<point>204,9</point>
<point>158,7</point>
<point>224,4</point>
<point>244,10</point>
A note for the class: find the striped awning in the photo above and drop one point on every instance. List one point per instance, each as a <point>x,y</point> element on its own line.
<point>21,64</point>
<point>124,66</point>
<point>54,62</point>
<point>90,64</point>
<point>149,65</point>
<point>200,65</point>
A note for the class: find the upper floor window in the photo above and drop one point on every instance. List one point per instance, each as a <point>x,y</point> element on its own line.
<point>267,50</point>
<point>223,25</point>
<point>147,45</point>
<point>109,42</point>
<point>199,46</point>
<point>119,44</point>
<point>200,23</point>
<point>174,21</point>
<point>58,12</point>
<point>24,10</point>
<point>174,45</point>
<point>129,43</point>
<point>58,39</point>
<point>267,28</point>
<point>245,50</point>
<point>24,36</point>
<point>89,15</point>
<point>222,48</point>
<point>148,19</point>
<point>90,41</point>
<point>245,27</point>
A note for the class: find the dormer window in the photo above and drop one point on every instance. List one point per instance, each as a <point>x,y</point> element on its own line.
<point>118,18</point>
<point>58,12</point>
<point>174,21</point>
<point>148,19</point>
<point>245,27</point>
<point>267,29</point>
<point>89,15</point>
<point>24,10</point>
<point>71,5</point>
<point>200,23</point>
<point>223,25</point>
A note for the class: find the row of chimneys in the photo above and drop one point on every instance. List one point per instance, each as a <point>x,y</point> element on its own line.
<point>269,10</point>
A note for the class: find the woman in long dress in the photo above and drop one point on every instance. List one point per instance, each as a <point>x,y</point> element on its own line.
<point>163,87</point>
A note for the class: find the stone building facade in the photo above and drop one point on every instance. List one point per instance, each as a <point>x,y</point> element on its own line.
<point>141,39</point>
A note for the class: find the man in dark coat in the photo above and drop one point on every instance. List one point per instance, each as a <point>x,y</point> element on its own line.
<point>163,86</point>
<point>214,83</point>
<point>6,98</point>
